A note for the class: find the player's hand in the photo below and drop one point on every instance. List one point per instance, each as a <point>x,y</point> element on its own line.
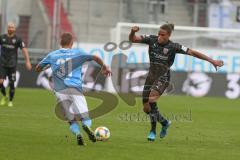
<point>135,29</point>
<point>106,71</point>
<point>217,63</point>
<point>28,66</point>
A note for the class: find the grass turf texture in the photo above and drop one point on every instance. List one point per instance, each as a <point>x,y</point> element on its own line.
<point>208,129</point>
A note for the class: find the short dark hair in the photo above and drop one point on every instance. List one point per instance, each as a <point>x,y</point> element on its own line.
<point>66,39</point>
<point>169,27</point>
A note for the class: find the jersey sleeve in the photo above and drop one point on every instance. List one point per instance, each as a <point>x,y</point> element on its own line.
<point>45,62</point>
<point>83,56</point>
<point>21,44</point>
<point>180,48</point>
<point>86,57</point>
<point>80,58</point>
<point>146,39</point>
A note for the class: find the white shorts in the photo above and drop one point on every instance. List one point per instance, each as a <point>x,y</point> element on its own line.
<point>73,104</point>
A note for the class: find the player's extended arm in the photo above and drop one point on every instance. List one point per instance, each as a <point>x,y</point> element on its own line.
<point>41,67</point>
<point>105,70</point>
<point>27,59</point>
<point>215,63</point>
<point>38,68</point>
<point>132,37</point>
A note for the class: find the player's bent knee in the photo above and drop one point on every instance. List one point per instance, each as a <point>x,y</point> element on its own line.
<point>146,108</point>
<point>153,99</point>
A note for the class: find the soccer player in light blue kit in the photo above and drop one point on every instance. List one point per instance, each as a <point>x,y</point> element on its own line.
<point>66,64</point>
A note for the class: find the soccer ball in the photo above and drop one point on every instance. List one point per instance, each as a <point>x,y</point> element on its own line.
<point>102,133</point>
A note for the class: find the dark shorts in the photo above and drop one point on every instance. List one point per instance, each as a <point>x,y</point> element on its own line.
<point>151,83</point>
<point>9,72</point>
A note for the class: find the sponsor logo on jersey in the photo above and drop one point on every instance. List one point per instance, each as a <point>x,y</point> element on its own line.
<point>14,41</point>
<point>165,51</point>
<point>160,56</point>
<point>8,46</point>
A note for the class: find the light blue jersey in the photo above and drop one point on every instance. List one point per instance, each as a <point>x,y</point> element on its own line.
<point>66,65</point>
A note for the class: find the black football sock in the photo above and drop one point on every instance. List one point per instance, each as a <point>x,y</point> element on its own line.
<point>153,118</point>
<point>157,114</point>
<point>153,123</point>
<point>3,90</point>
<point>12,91</point>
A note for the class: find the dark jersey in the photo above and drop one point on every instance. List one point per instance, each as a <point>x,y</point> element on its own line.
<point>9,50</point>
<point>161,56</point>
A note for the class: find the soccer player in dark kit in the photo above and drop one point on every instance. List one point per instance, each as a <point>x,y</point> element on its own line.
<point>161,52</point>
<point>8,61</point>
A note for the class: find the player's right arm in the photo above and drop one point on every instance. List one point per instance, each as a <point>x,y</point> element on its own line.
<point>132,37</point>
<point>139,39</point>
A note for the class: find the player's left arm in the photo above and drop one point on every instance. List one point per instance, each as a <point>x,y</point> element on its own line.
<point>197,54</point>
<point>44,64</point>
<point>27,59</point>
<point>21,45</point>
<point>184,50</point>
<point>38,68</point>
<point>105,70</point>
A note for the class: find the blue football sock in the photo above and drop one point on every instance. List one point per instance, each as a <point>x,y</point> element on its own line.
<point>87,122</point>
<point>74,127</point>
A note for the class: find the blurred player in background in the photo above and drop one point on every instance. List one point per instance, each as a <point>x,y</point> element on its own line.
<point>8,61</point>
<point>162,52</point>
<point>66,65</point>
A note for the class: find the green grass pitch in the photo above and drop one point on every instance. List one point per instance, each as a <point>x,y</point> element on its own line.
<point>202,128</point>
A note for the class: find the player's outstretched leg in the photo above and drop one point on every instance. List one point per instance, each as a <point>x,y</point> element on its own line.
<point>86,124</point>
<point>74,127</point>
<point>154,95</point>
